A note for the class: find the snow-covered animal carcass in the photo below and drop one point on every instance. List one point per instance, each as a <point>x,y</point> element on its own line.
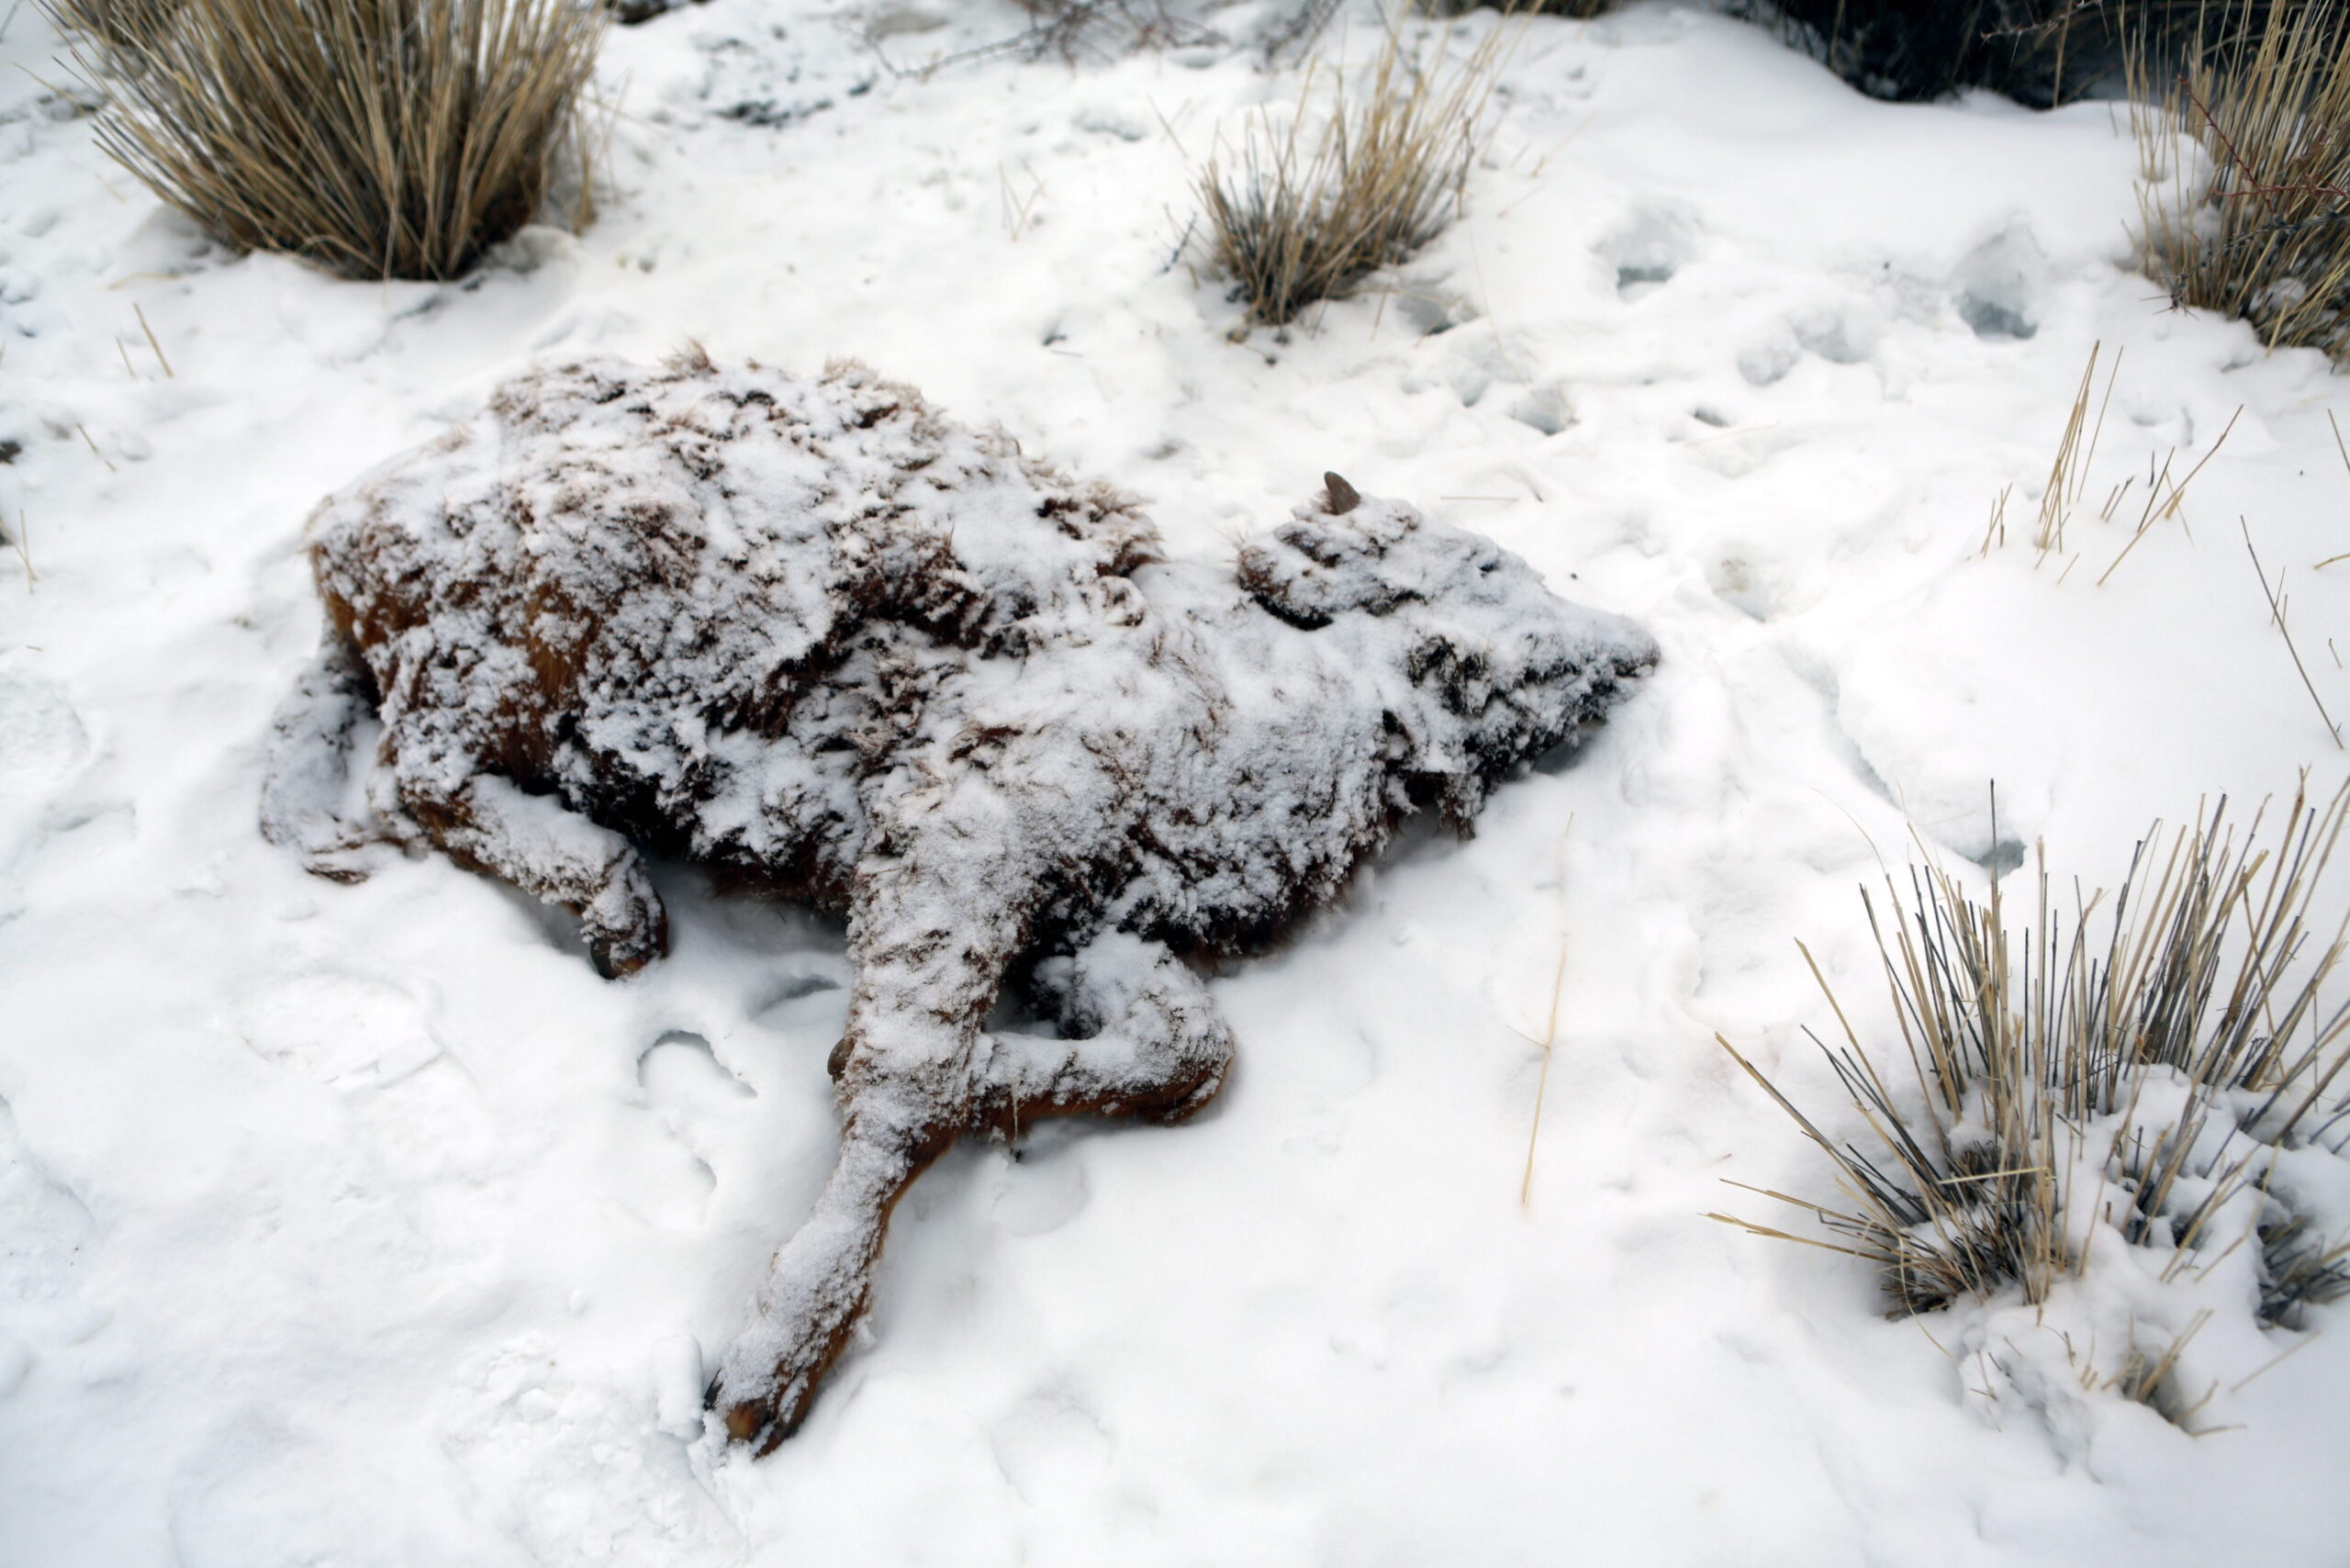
<point>806,629</point>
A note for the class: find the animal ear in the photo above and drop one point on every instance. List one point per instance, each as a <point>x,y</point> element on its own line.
<point>1330,558</point>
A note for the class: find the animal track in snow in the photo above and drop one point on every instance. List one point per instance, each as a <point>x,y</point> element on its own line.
<point>1429,308</point>
<point>665,1177</point>
<point>1843,333</point>
<point>44,1229</point>
<point>1052,1449</point>
<point>342,1030</point>
<point>680,1068</point>
<point>584,1477</point>
<point>2001,283</point>
<point>41,737</point>
<point>1544,408</point>
<point>1648,249</point>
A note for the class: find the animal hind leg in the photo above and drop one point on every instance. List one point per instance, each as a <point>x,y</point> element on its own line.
<point>1143,1038</point>
<point>1152,1046</point>
<point>933,930</point>
<point>538,844</point>
<point>817,1289</point>
<point>904,1097</point>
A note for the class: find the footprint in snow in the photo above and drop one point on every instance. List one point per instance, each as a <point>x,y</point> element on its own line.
<point>581,1474</point>
<point>45,1231</point>
<point>41,737</point>
<point>1997,289</point>
<point>342,1030</point>
<point>1648,249</point>
<point>1053,1450</point>
<point>660,1167</point>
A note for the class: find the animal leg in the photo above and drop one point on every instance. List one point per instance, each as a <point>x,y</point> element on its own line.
<point>817,1288</point>
<point>1141,1037</point>
<point>553,852</point>
<point>937,919</point>
<point>904,1097</point>
<point>1153,1046</point>
<point>309,763</point>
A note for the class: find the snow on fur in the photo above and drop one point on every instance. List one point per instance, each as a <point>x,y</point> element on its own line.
<point>807,629</point>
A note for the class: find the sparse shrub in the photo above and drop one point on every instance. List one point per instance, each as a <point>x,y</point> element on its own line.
<point>1306,215</point>
<point>2247,148</point>
<point>377,138</point>
<point>1574,10</point>
<point>1069,29</point>
<point>2163,1080</point>
<point>2036,52</point>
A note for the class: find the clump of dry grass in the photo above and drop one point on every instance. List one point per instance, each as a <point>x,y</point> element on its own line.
<point>2147,1074</point>
<point>1306,215</point>
<point>2264,232</point>
<point>377,138</point>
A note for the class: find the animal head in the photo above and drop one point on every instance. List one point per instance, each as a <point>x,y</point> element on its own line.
<point>1496,667</point>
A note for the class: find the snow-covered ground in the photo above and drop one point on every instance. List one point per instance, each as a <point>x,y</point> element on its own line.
<point>365,1225</point>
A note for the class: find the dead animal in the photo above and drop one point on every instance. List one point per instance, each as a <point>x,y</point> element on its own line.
<point>807,630</point>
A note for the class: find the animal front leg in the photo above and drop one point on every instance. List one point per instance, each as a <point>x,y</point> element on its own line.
<point>555,854</point>
<point>1141,1037</point>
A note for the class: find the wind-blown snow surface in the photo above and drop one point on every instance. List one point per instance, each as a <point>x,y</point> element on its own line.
<point>367,1225</point>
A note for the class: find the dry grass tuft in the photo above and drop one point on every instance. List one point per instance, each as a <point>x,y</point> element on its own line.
<point>2264,232</point>
<point>2067,487</point>
<point>378,137</point>
<point>2149,1080</point>
<point>1303,217</point>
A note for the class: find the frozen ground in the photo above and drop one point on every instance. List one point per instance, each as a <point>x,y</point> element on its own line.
<point>365,1225</point>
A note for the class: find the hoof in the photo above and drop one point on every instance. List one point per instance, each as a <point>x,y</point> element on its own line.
<point>619,952</point>
<point>616,959</point>
<point>744,1422</point>
<point>767,1420</point>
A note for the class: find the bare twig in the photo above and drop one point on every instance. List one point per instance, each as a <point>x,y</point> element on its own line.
<point>2178,493</point>
<point>2277,613</point>
<point>151,341</point>
<point>1551,1029</point>
<point>93,450</point>
<point>22,542</point>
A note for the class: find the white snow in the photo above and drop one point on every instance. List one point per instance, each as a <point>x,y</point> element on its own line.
<point>365,1225</point>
